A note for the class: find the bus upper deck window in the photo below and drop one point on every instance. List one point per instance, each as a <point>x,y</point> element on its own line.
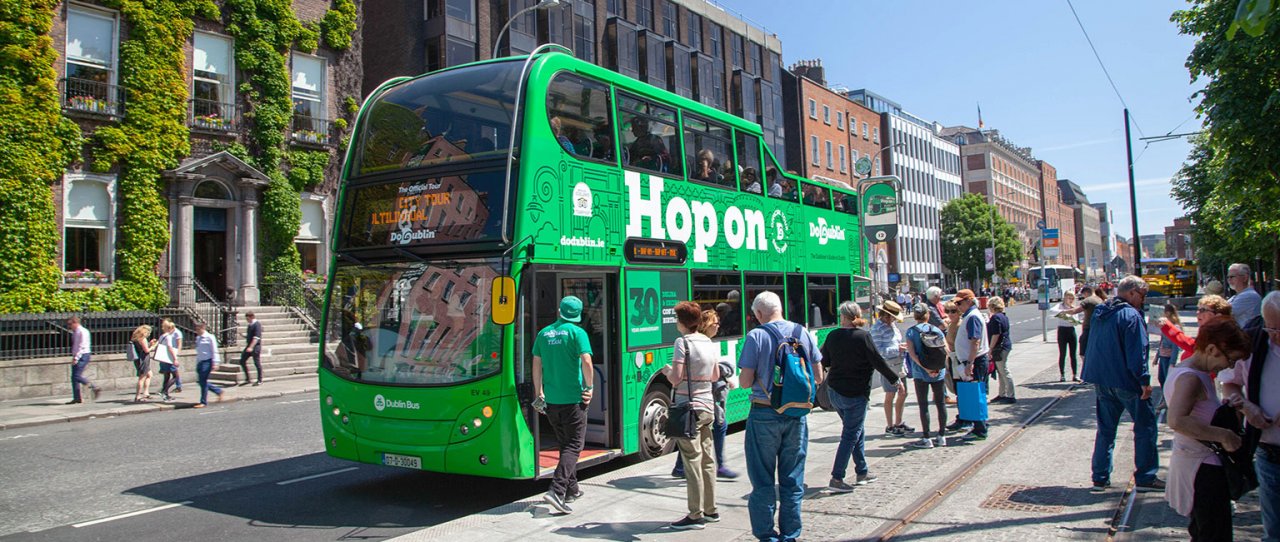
<point>580,117</point>
<point>648,134</point>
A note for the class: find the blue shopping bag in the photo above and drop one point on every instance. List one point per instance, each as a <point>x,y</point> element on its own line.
<point>972,399</point>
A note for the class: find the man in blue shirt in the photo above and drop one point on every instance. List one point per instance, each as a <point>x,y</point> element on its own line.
<point>1116,364</point>
<point>1246,304</point>
<point>776,444</point>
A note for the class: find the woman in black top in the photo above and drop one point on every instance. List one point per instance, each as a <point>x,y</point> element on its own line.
<point>849,357</point>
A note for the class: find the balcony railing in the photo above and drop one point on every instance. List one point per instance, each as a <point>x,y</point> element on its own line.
<point>92,97</point>
<point>214,116</point>
<point>312,130</point>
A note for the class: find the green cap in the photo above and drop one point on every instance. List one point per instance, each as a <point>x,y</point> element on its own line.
<point>571,309</point>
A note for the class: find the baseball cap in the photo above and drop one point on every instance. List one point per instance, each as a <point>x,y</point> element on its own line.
<point>964,294</point>
<point>571,308</point>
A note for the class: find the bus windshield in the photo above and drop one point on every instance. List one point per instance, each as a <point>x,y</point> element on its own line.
<point>455,115</point>
<point>413,323</point>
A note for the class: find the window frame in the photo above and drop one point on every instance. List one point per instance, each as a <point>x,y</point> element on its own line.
<point>736,285</point>
<point>815,150</point>
<point>729,181</point>
<point>840,120</point>
<point>797,292</point>
<point>830,156</point>
<point>833,287</point>
<point>751,290</point>
<point>826,114</point>
<point>610,113</point>
<point>844,167</point>
<point>230,87</point>
<point>864,130</point>
<point>113,66</point>
<point>618,98</point>
<point>738,149</point>
<point>321,97</point>
<point>107,257</point>
<point>805,186</point>
<point>813,109</point>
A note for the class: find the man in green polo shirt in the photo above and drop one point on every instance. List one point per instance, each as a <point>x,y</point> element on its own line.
<point>562,369</point>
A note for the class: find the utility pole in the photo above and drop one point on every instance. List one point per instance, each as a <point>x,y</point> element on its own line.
<point>1133,199</point>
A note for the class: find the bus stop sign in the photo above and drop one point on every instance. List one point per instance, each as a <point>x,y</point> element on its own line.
<point>880,211</point>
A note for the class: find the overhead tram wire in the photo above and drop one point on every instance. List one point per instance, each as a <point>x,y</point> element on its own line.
<point>1103,65</point>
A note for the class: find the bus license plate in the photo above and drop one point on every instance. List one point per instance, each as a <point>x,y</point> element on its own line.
<point>405,461</point>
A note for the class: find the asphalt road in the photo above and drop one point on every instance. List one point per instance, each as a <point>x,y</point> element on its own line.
<point>247,470</point>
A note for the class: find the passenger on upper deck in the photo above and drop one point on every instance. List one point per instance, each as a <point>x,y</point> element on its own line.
<point>648,150</point>
<point>705,169</point>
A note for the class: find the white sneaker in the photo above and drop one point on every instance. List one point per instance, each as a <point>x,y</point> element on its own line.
<point>940,441</point>
<point>923,443</point>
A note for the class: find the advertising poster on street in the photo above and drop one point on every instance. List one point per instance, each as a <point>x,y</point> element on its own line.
<point>651,301</point>
<point>880,212</point>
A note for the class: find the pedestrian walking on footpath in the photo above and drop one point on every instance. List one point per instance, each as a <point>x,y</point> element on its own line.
<point>1068,318</point>
<point>1207,308</point>
<point>562,377</point>
<point>1116,364</point>
<point>207,359</point>
<point>1253,388</point>
<point>695,363</point>
<point>81,351</point>
<point>777,439</point>
<point>1001,345</point>
<point>177,344</point>
<point>1246,303</point>
<point>850,358</point>
<point>710,326</point>
<point>252,348</point>
<point>888,340</point>
<point>974,351</point>
<point>927,355</point>
<point>1198,485</point>
<point>166,353</point>
<point>139,352</point>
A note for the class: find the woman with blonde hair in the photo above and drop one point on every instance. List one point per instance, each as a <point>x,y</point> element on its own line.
<point>139,352</point>
<point>167,349</point>
<point>1068,339</point>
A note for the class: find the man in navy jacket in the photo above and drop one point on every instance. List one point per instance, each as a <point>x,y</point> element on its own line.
<point>1116,364</point>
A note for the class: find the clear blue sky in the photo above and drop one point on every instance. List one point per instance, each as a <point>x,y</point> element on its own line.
<point>1029,65</point>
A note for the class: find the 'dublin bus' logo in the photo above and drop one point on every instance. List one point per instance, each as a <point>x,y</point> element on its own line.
<point>380,403</point>
<point>697,222</point>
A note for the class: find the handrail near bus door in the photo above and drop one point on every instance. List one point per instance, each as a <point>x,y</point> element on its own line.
<point>515,117</point>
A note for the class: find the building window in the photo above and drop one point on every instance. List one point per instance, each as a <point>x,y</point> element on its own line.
<point>735,48</point>
<point>826,114</point>
<point>311,232</point>
<point>695,31</point>
<point>309,98</point>
<point>830,159</point>
<point>644,13</point>
<point>615,8</point>
<point>844,168</point>
<point>88,223</point>
<point>840,120</point>
<point>212,81</point>
<point>875,135</point>
<point>717,41</point>
<point>754,55</point>
<point>853,125</point>
<point>584,30</point>
<point>91,68</point>
<point>813,109</point>
<point>813,149</point>
<point>670,20</point>
<point>462,10</point>
<point>648,131</point>
<point>864,130</point>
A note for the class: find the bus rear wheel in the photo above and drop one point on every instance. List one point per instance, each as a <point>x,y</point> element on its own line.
<point>653,415</point>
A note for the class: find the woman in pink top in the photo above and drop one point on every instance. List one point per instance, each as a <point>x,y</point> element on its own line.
<point>1197,483</point>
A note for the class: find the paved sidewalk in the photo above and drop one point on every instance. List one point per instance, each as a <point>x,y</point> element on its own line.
<point>47,410</point>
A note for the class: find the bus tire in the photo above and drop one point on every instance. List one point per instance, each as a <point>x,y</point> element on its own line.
<point>653,415</point>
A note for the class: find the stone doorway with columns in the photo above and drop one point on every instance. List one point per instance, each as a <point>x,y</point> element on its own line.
<point>213,213</point>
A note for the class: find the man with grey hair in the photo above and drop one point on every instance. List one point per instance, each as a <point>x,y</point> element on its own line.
<point>1116,364</point>
<point>776,443</point>
<point>933,299</point>
<point>1253,387</point>
<point>1246,301</point>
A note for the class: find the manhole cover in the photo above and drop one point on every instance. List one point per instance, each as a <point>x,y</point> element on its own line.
<point>1025,499</point>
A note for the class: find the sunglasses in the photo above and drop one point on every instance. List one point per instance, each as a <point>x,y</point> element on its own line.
<point>953,312</point>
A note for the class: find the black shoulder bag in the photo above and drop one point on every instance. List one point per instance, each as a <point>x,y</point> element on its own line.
<point>682,421</point>
<point>1241,477</point>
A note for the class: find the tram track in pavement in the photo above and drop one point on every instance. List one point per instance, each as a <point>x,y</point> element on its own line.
<point>905,517</point>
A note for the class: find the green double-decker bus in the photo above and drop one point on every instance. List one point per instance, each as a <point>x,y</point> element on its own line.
<point>475,197</point>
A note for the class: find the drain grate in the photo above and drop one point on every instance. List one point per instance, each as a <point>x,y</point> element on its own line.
<point>1024,499</point>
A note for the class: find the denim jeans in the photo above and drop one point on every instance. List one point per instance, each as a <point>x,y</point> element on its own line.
<point>853,412</point>
<point>1111,404</point>
<point>776,444</point>
<point>77,376</point>
<point>1269,496</point>
<point>203,369</point>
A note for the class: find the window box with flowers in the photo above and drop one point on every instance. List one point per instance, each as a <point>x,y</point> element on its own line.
<point>89,104</point>
<point>313,278</point>
<point>211,122</point>
<point>84,276</point>
<point>308,136</point>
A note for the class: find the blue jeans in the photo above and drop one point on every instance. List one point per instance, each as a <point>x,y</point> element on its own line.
<point>1111,403</point>
<point>77,376</point>
<point>203,368</point>
<point>1163,363</point>
<point>775,444</point>
<point>853,412</point>
<point>1269,496</point>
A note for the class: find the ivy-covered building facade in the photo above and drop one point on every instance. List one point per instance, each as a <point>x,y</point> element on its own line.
<point>183,150</point>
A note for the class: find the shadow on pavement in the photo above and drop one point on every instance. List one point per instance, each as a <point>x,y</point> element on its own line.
<point>937,531</point>
<point>623,531</point>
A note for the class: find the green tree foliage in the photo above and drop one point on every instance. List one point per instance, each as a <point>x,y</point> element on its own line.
<point>36,144</point>
<point>966,231</point>
<point>1231,180</point>
<point>1160,250</point>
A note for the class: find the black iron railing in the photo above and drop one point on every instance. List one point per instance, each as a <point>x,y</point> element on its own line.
<point>201,305</point>
<point>214,115</point>
<point>312,130</point>
<point>46,335</point>
<point>302,299</point>
<point>92,97</point>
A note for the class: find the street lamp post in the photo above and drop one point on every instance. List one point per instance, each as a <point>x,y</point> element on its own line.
<point>544,4</point>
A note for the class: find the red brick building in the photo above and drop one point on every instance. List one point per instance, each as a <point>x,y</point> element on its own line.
<point>1177,239</point>
<point>1058,215</point>
<point>832,131</point>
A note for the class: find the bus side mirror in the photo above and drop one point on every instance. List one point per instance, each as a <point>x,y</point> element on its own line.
<point>503,294</point>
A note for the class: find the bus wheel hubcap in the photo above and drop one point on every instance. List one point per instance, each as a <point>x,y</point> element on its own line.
<point>655,416</point>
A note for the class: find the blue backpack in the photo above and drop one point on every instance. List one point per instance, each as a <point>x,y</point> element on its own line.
<point>794,388</point>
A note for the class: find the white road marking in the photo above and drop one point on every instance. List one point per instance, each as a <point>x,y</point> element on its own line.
<point>297,401</point>
<point>314,476</point>
<point>16,437</point>
<point>131,514</point>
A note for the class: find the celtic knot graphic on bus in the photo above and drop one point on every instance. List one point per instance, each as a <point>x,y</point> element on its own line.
<point>695,222</point>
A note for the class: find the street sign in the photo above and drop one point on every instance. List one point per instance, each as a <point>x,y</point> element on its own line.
<point>1050,244</point>
<point>862,166</point>
<point>989,255</point>
<point>894,278</point>
<point>880,209</point>
<point>1040,224</point>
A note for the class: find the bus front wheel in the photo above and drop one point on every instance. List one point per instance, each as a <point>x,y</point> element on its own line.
<point>653,415</point>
